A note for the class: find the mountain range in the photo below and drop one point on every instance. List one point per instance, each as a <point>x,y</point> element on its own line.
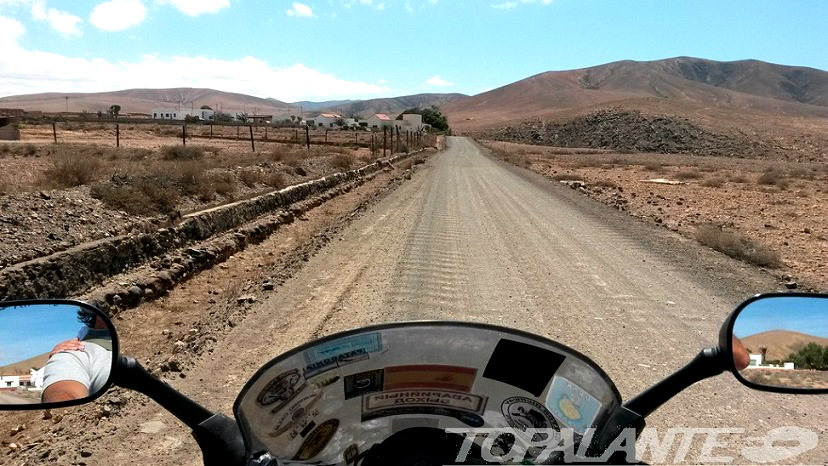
<point>704,88</point>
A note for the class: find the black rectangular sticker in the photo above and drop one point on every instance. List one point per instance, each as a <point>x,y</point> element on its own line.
<point>363,383</point>
<point>523,365</point>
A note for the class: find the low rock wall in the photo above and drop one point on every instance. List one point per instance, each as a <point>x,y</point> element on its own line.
<point>76,270</point>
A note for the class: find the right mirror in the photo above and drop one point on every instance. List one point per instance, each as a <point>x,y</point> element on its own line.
<point>780,342</point>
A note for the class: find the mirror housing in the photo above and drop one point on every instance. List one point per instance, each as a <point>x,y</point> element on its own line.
<point>782,325</point>
<point>54,353</point>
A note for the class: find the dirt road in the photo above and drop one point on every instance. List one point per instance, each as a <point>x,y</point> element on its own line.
<point>470,238</point>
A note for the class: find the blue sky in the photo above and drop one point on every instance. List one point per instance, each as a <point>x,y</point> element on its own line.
<point>339,49</point>
<point>798,314</point>
<point>28,331</point>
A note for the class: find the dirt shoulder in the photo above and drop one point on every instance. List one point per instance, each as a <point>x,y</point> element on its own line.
<point>776,204</point>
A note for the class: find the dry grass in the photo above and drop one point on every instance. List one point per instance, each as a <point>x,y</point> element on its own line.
<point>773,178</point>
<point>737,246</point>
<point>276,180</point>
<point>343,161</point>
<point>251,178</point>
<point>142,196</point>
<point>713,183</point>
<point>69,171</point>
<point>566,177</point>
<point>688,175</point>
<point>182,152</point>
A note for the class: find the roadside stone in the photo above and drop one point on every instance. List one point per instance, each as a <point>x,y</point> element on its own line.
<point>268,286</point>
<point>791,285</point>
<point>85,453</point>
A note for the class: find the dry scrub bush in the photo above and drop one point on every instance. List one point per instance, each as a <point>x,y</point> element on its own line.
<point>738,179</point>
<point>276,180</point>
<point>688,175</point>
<point>223,183</point>
<point>566,177</point>
<point>654,166</point>
<point>713,183</point>
<point>68,171</point>
<point>182,152</point>
<point>737,246</point>
<point>342,162</point>
<point>251,178</point>
<point>773,178</point>
<point>5,150</point>
<point>142,196</point>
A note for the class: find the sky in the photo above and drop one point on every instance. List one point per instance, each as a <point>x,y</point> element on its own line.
<point>798,314</point>
<point>27,331</point>
<point>358,49</point>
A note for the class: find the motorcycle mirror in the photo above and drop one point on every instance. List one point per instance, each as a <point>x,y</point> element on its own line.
<point>779,342</point>
<point>54,353</point>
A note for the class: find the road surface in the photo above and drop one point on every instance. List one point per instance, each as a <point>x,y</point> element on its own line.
<point>470,238</point>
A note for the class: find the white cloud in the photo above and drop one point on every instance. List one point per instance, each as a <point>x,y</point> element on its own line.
<point>197,7</point>
<point>117,15</point>
<point>25,71</point>
<point>438,81</point>
<point>508,5</point>
<point>65,23</point>
<point>300,10</point>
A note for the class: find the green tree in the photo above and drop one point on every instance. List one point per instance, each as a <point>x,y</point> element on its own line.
<point>431,116</point>
<point>340,122</point>
<point>812,356</point>
<point>206,107</point>
<point>114,110</point>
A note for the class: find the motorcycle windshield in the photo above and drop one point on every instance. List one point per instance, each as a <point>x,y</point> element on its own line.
<point>331,400</point>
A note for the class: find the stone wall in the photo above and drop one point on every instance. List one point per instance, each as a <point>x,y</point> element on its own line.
<point>78,269</point>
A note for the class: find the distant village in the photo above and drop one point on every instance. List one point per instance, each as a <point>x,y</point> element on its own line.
<point>410,121</point>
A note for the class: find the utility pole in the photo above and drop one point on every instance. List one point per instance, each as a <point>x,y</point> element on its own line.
<point>67,103</point>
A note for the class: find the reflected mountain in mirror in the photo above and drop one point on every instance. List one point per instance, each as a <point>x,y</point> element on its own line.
<point>51,353</point>
<point>785,340</point>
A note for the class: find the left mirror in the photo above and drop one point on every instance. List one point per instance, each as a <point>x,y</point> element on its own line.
<point>54,353</point>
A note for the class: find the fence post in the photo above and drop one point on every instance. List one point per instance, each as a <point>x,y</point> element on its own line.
<point>326,136</point>
<point>384,139</point>
<point>117,135</point>
<point>265,133</point>
<point>252,144</point>
<point>54,132</point>
<point>184,134</point>
<point>296,136</point>
<point>307,135</point>
<point>211,131</point>
<point>356,138</point>
<point>238,132</point>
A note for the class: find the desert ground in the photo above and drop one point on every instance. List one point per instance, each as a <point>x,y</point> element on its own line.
<point>462,236</point>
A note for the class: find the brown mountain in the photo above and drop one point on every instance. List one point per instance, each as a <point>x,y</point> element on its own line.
<point>780,343</point>
<point>22,367</point>
<point>144,100</point>
<point>394,105</point>
<point>740,85</point>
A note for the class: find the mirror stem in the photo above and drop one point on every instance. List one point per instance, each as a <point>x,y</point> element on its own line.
<point>707,363</point>
<point>130,374</point>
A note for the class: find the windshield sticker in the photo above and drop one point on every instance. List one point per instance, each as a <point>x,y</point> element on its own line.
<point>460,379</point>
<point>526,413</point>
<point>341,352</point>
<point>351,453</point>
<point>470,419</point>
<point>363,383</point>
<point>572,405</point>
<point>281,390</point>
<point>324,382</point>
<point>523,365</point>
<point>299,415</point>
<point>407,398</point>
<point>317,440</point>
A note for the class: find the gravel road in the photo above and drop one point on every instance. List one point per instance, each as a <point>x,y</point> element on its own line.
<point>471,238</point>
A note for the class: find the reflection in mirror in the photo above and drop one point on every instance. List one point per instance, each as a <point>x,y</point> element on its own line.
<point>782,341</point>
<point>51,353</point>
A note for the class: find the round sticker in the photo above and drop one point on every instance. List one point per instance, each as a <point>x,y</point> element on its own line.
<point>317,440</point>
<point>282,389</point>
<point>525,413</point>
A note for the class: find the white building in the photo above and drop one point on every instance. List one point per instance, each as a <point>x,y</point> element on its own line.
<point>756,362</point>
<point>410,122</point>
<point>326,120</point>
<point>177,114</point>
<point>379,121</point>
